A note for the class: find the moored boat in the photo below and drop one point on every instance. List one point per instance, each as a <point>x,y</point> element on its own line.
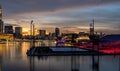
<point>60,50</point>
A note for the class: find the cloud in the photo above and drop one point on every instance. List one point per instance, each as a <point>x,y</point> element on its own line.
<point>7,24</point>
<point>52,13</point>
<point>25,6</point>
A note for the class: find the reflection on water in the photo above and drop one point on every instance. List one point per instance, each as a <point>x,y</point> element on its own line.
<point>13,58</point>
<point>95,63</point>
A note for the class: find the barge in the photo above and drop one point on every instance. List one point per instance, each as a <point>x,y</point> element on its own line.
<point>60,51</point>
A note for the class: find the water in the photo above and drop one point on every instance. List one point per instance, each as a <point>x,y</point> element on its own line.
<point>13,58</point>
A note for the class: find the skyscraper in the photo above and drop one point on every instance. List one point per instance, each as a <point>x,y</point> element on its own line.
<point>31,28</point>
<point>57,32</point>
<point>18,30</point>
<point>0,13</point>
<point>92,28</point>
<point>1,26</point>
<point>1,22</point>
<point>9,29</point>
<point>42,33</point>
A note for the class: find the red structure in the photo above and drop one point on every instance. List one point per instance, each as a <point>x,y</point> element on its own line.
<point>109,44</point>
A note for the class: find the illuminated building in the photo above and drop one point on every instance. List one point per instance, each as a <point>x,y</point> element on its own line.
<point>6,36</point>
<point>92,28</point>
<point>57,32</point>
<point>1,22</point>
<point>42,33</point>
<point>0,13</point>
<point>31,28</point>
<point>18,32</point>
<point>9,29</point>
<point>1,26</point>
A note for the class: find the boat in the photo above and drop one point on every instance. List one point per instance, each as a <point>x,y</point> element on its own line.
<point>60,50</point>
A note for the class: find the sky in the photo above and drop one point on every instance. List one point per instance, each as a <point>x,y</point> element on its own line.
<point>68,15</point>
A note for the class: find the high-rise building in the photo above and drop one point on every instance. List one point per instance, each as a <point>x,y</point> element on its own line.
<point>31,28</point>
<point>42,33</point>
<point>57,32</point>
<point>9,29</point>
<point>1,26</point>
<point>18,30</point>
<point>0,13</point>
<point>92,28</point>
<point>1,22</point>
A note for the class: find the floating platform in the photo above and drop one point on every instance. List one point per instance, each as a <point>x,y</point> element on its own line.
<point>61,51</point>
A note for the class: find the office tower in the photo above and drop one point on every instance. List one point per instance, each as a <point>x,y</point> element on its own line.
<point>1,22</point>
<point>57,32</point>
<point>42,33</point>
<point>1,26</point>
<point>31,28</point>
<point>9,29</point>
<point>18,30</point>
<point>0,13</point>
<point>92,28</point>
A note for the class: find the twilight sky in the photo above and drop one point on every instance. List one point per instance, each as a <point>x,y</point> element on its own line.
<point>69,15</point>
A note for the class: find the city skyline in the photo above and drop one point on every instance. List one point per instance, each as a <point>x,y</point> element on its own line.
<point>69,15</point>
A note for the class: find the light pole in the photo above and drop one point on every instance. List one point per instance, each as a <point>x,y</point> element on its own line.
<point>33,35</point>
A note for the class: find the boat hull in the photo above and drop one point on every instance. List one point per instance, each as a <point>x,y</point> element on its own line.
<point>60,51</point>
